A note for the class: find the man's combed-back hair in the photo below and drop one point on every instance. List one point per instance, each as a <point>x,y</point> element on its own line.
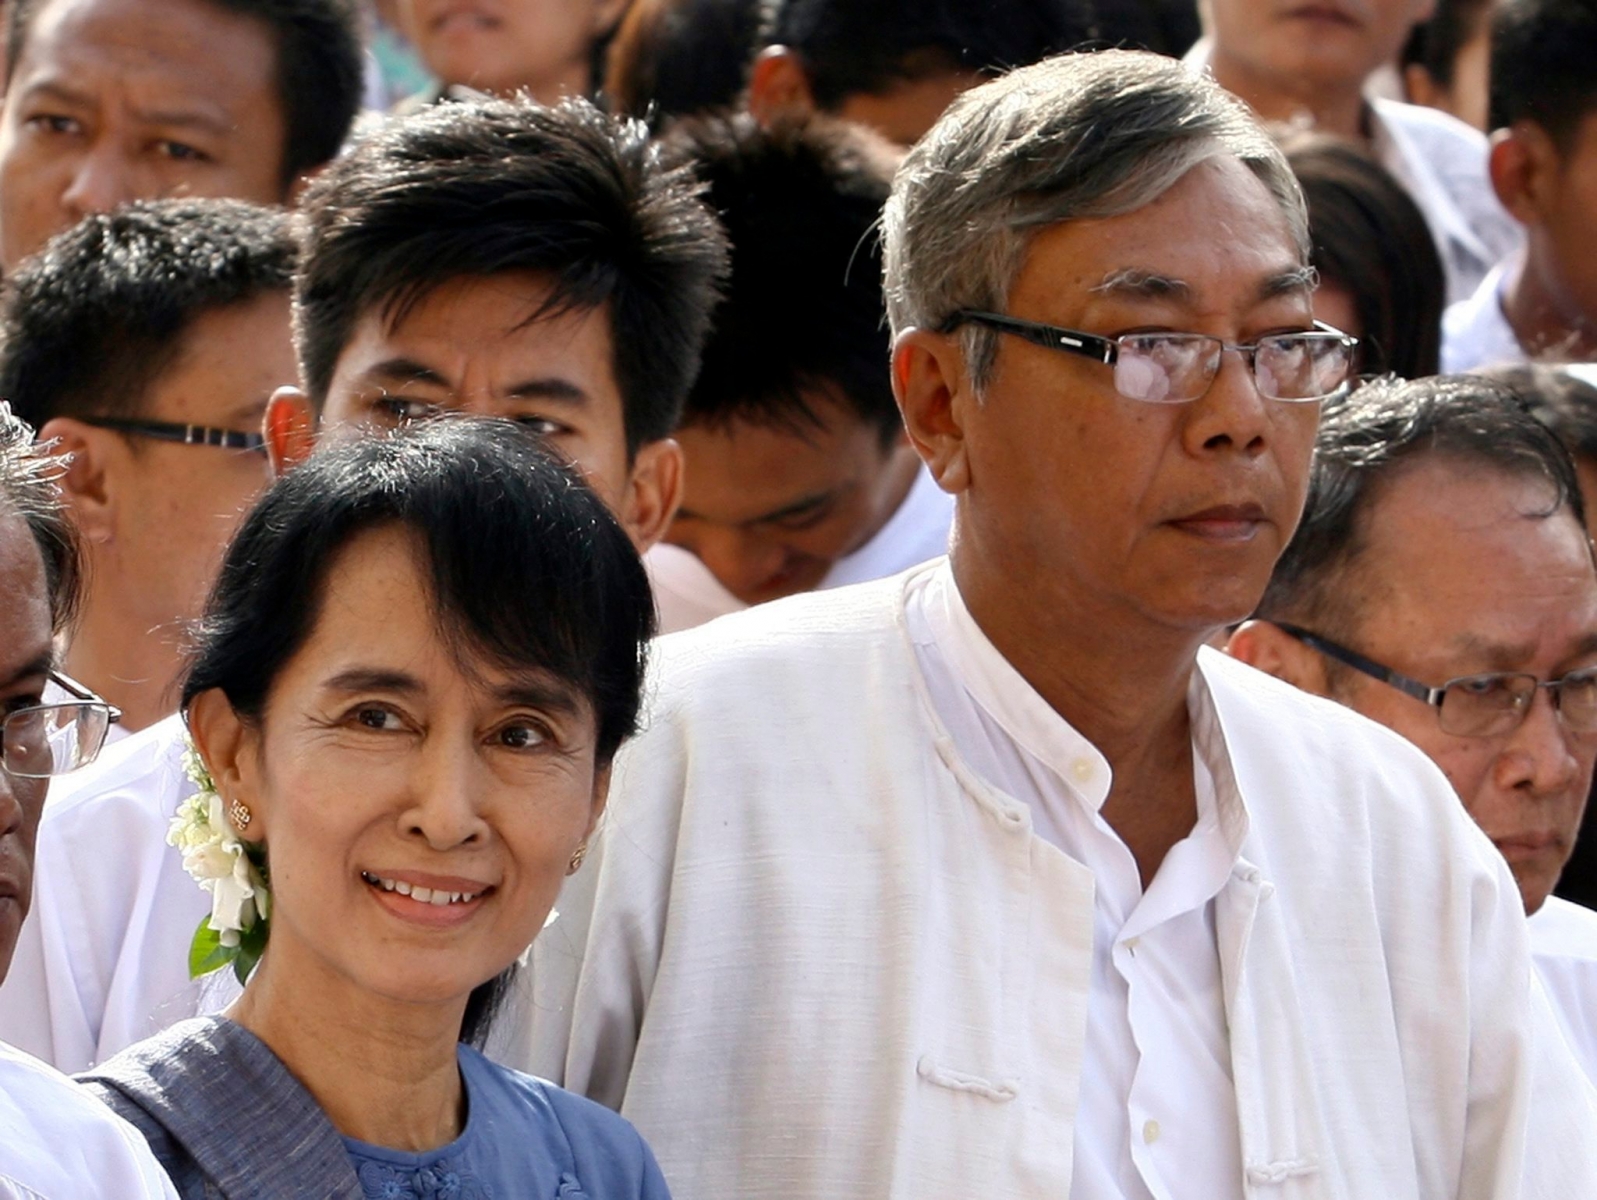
<point>89,323</point>
<point>1435,44</point>
<point>1542,56</point>
<point>479,188</point>
<point>320,70</point>
<point>1562,396</point>
<point>803,315</point>
<point>1078,137</point>
<point>854,47</point>
<point>1365,442</point>
<point>527,571</point>
<point>30,489</point>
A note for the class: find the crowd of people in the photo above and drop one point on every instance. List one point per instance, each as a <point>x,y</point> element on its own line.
<point>794,599</point>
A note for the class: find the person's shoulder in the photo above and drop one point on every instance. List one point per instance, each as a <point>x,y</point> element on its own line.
<point>595,1134</point>
<point>1431,127</point>
<point>141,773</point>
<point>1561,929</point>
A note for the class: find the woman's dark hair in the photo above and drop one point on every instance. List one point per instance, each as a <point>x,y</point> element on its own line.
<point>527,569</point>
<point>1368,236</point>
<point>672,58</point>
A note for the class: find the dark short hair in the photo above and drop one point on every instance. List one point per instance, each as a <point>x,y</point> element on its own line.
<point>671,58</point>
<point>320,70</point>
<point>478,188</point>
<point>1365,441</point>
<point>1559,399</point>
<point>853,47</point>
<point>91,322</point>
<point>30,490</point>
<point>527,569</point>
<point>1367,235</point>
<point>803,310</point>
<point>1542,55</point>
<point>1435,44</point>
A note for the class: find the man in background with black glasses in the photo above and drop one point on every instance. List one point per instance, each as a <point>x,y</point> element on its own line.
<point>1442,584</point>
<point>990,879</point>
<point>55,1140</point>
<point>144,344</point>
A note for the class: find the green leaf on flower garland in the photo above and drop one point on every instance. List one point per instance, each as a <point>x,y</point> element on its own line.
<point>206,952</point>
<point>251,945</point>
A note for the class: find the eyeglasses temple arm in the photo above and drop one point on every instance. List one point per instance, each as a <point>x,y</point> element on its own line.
<point>1352,658</point>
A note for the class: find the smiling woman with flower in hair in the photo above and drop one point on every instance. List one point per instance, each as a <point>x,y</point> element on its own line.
<point>418,661</point>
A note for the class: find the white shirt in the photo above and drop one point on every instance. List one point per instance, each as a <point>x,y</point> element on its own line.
<point>1563,944</point>
<point>1475,333</point>
<point>687,593</point>
<point>102,960</point>
<point>1441,161</point>
<point>815,953</point>
<point>57,1142</point>
<point>1158,1108</point>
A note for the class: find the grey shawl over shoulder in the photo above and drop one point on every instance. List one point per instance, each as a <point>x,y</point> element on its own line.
<point>225,1117</point>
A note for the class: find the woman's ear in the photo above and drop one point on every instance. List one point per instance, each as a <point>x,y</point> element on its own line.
<point>230,747</point>
<point>601,796</point>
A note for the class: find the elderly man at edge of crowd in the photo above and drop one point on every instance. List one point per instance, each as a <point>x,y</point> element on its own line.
<point>1380,602</point>
<point>55,1139</point>
<point>989,878</point>
<point>493,257</point>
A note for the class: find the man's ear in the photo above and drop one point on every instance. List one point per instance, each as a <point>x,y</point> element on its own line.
<point>935,396</point>
<point>1420,86</point>
<point>231,750</point>
<point>654,490</point>
<point>1268,648</point>
<point>89,482</point>
<point>779,87</point>
<point>1523,164</point>
<point>289,427</point>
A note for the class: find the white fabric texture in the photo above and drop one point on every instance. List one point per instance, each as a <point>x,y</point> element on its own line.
<point>816,954</point>
<point>57,1142</point>
<point>102,960</point>
<point>1475,333</point>
<point>1563,945</point>
<point>687,594</point>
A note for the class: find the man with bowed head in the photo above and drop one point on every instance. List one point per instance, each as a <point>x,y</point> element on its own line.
<point>991,878</point>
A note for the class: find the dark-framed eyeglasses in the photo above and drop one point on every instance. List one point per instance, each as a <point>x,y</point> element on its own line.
<point>188,435</point>
<point>1488,705</point>
<point>52,739</point>
<point>1175,368</point>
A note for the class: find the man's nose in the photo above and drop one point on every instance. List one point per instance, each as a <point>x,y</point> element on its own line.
<point>744,561</point>
<point>1232,413</point>
<point>101,180</point>
<point>1539,756</point>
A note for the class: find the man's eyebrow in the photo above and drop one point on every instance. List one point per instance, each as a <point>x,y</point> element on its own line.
<point>1139,284</point>
<point>405,370</point>
<point>562,391</point>
<point>39,664</point>
<point>216,123</point>
<point>787,510</point>
<point>1284,283</point>
<point>1587,645</point>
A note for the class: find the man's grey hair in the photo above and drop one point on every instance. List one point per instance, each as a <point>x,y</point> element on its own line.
<point>1075,137</point>
<point>30,489</point>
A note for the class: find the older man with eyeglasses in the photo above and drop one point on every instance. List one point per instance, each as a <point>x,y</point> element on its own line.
<point>1442,584</point>
<point>990,879</point>
<point>55,1140</point>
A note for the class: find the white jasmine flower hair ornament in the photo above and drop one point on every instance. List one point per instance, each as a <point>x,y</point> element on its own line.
<point>232,870</point>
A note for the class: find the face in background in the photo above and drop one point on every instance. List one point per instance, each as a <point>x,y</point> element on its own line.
<point>502,46</point>
<point>1169,514</point>
<point>25,657</point>
<point>1311,45</point>
<point>1565,222</point>
<point>118,100</point>
<point>468,346</point>
<point>769,509</point>
<point>1468,97</point>
<point>1457,580</point>
<point>156,515</point>
<point>383,760</point>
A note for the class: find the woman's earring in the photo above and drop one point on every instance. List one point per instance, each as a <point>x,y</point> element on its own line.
<point>576,859</point>
<point>240,814</point>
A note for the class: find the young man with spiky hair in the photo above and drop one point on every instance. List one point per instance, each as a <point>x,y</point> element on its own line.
<point>493,257</point>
